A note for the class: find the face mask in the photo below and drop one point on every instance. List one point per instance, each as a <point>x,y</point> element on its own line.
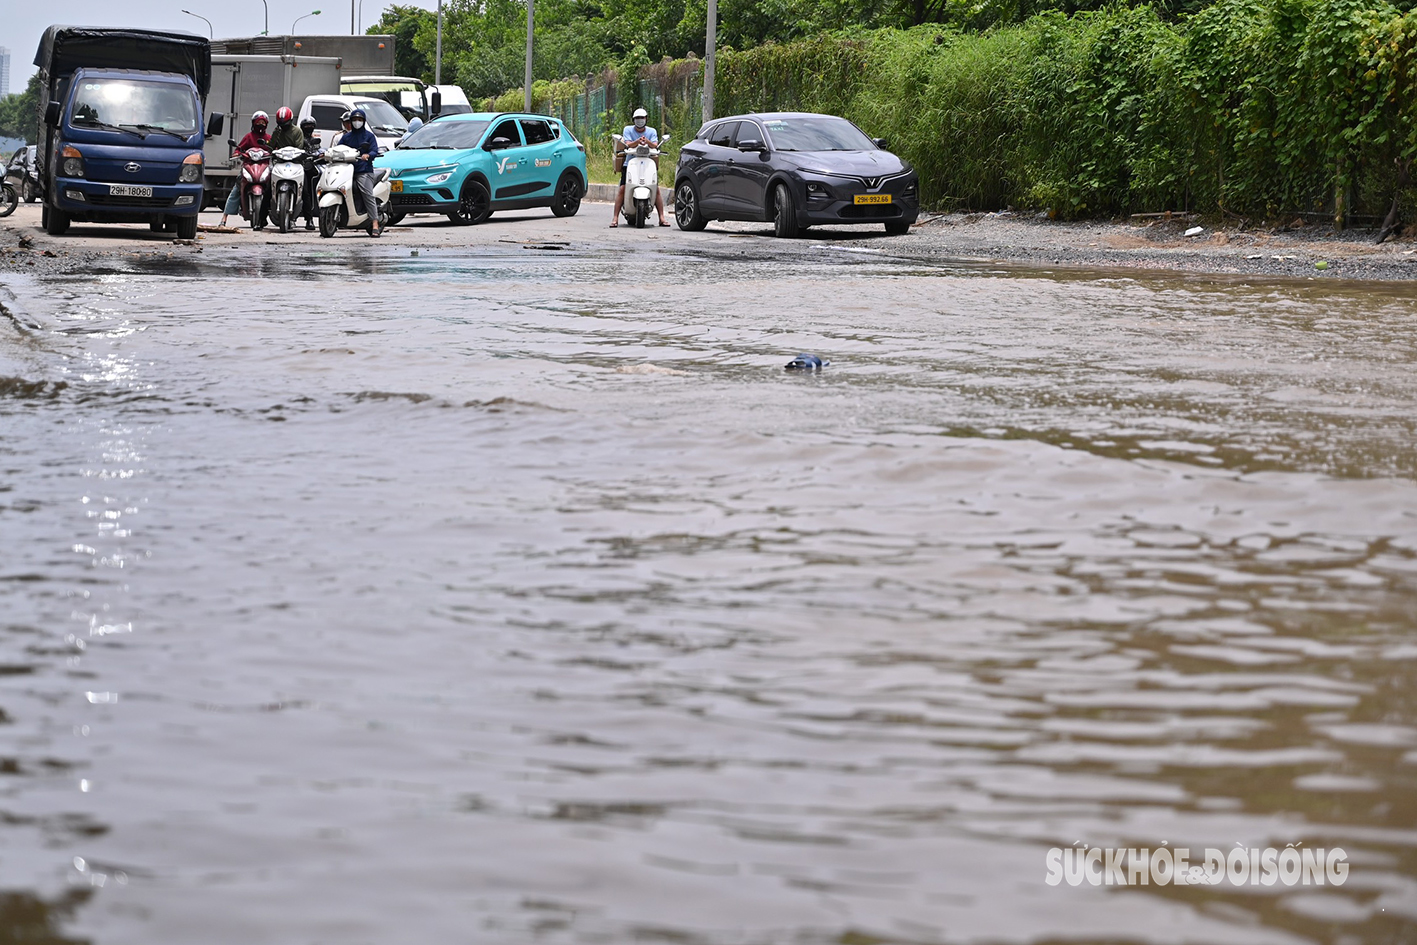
<point>357,125</point>
<point>640,123</point>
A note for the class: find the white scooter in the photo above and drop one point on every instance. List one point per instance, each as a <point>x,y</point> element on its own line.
<point>641,179</point>
<point>287,180</point>
<point>338,195</point>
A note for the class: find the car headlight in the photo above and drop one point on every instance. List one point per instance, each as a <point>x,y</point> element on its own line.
<point>73,162</point>
<point>191,169</point>
<point>439,178</point>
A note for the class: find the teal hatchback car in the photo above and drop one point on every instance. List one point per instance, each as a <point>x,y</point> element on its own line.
<point>468,166</point>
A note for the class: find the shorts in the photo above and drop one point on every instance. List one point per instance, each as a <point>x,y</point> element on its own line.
<point>622,172</point>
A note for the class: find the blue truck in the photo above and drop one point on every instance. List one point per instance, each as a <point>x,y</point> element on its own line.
<point>122,127</point>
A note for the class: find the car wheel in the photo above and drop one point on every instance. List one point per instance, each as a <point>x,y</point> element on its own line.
<point>784,219</point>
<point>686,207</point>
<point>568,195</point>
<point>474,204</point>
<point>329,221</point>
<point>897,228</point>
<point>396,218</point>
<point>187,228</point>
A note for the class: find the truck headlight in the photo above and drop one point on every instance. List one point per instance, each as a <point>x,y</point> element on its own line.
<point>191,169</point>
<point>439,178</point>
<point>73,162</point>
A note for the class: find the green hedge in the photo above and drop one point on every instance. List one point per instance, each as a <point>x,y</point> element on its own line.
<point>1257,107</point>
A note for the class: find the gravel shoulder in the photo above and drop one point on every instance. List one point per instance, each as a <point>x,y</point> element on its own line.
<point>1315,252</point>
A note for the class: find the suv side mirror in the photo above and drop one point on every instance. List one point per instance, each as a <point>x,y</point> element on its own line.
<point>879,142</point>
<point>215,122</point>
<point>497,144</point>
<point>751,144</point>
<point>52,111</point>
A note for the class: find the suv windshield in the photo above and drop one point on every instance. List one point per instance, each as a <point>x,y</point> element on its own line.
<point>817,134</point>
<point>447,134</point>
<point>135,104</point>
<point>382,117</point>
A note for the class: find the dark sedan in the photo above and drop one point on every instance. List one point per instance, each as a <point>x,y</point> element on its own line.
<point>795,169</point>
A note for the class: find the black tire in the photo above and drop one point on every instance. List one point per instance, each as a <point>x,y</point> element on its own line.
<point>157,226</point>
<point>30,192</point>
<point>784,216</point>
<point>329,221</point>
<point>396,218</point>
<point>285,212</point>
<point>897,228</point>
<point>474,204</point>
<point>641,212</point>
<point>8,200</point>
<point>686,207</point>
<point>257,203</point>
<point>187,228</point>
<point>568,195</point>
<point>56,221</point>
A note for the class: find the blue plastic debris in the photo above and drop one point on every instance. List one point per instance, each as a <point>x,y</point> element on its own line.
<point>807,362</point>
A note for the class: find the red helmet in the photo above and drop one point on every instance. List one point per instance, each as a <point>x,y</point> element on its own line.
<point>284,116</point>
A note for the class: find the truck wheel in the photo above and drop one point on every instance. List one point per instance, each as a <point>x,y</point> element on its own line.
<point>568,195</point>
<point>187,228</point>
<point>156,226</point>
<point>329,221</point>
<point>56,221</point>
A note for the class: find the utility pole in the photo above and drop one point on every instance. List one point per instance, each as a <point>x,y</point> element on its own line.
<point>351,17</point>
<point>529,5</point>
<point>438,54</point>
<point>710,41</point>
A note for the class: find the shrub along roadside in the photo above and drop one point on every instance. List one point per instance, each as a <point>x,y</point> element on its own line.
<point>1253,107</point>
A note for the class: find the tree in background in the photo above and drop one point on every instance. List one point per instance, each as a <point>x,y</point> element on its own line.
<point>19,113</point>
<point>405,23</point>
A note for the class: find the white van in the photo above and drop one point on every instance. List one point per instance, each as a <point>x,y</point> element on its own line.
<point>382,118</point>
<point>454,101</point>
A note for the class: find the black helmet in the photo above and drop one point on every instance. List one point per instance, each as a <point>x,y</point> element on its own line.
<point>308,125</point>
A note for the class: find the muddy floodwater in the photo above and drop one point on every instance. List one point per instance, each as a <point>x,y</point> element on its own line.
<point>521,596</point>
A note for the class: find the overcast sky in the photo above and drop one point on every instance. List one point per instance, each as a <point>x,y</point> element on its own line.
<point>22,24</point>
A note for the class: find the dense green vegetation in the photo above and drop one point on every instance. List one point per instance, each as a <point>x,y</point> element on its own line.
<point>18,118</point>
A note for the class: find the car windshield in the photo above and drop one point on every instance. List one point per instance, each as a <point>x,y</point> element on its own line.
<point>817,134</point>
<point>382,117</point>
<point>136,105</point>
<point>447,134</point>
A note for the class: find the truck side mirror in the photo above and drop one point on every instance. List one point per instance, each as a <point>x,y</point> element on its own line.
<point>215,122</point>
<point>52,111</point>
<point>437,104</point>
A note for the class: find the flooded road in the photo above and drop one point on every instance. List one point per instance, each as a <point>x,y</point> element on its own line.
<point>421,608</point>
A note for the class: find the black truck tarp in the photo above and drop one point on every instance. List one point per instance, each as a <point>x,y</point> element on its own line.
<point>63,49</point>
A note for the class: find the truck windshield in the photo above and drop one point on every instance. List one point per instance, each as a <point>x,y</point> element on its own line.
<point>135,104</point>
<point>382,117</point>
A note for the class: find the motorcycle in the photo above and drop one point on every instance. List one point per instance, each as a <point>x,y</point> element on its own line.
<point>641,179</point>
<point>8,198</point>
<point>287,179</point>
<point>255,171</point>
<point>339,198</point>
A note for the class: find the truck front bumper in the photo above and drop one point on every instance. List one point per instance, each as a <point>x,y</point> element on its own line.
<point>95,200</point>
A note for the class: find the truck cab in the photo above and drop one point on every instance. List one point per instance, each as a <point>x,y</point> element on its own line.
<point>122,145</point>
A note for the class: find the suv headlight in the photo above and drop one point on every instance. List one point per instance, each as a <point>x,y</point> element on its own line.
<point>73,162</point>
<point>439,178</point>
<point>191,169</point>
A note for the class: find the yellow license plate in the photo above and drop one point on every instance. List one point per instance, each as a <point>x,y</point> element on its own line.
<point>872,198</point>
<point>396,187</point>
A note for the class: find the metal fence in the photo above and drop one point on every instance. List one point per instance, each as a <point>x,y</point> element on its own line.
<point>674,100</point>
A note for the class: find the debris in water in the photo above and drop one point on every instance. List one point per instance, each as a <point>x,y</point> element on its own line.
<point>807,362</point>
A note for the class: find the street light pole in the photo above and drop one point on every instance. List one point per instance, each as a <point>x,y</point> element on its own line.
<point>203,19</point>
<point>267,30</point>
<point>529,5</point>
<point>710,41</point>
<point>438,50</point>
<point>299,18</point>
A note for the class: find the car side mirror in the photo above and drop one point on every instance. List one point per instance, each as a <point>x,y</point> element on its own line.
<point>215,122</point>
<point>437,104</point>
<point>879,142</point>
<point>497,144</point>
<point>751,144</point>
<point>51,114</point>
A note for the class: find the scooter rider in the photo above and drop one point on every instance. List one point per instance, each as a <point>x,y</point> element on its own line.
<point>630,138</point>
<point>308,198</point>
<point>255,138</point>
<point>363,139</point>
<point>286,135</point>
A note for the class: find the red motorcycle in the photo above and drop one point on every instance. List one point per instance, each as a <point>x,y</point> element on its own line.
<point>255,171</point>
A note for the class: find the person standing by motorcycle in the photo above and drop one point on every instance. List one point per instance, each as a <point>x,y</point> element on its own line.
<point>255,138</point>
<point>631,138</point>
<point>362,139</point>
<point>308,198</point>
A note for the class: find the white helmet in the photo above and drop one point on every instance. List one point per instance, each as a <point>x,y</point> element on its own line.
<point>640,113</point>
